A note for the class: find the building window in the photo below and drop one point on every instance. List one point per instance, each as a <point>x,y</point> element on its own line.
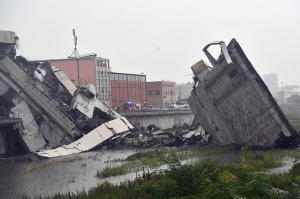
<point>157,92</point>
<point>150,92</point>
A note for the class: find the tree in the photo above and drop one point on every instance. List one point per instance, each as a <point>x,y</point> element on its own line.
<point>294,99</point>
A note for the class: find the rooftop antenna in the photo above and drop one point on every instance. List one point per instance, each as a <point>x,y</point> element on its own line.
<point>75,53</point>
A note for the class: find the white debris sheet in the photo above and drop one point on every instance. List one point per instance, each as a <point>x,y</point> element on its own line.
<point>30,132</point>
<point>90,140</point>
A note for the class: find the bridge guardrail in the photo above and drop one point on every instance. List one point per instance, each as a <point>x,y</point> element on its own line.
<point>5,115</point>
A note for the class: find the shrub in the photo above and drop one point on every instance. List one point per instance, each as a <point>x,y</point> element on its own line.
<point>185,126</point>
<point>295,170</point>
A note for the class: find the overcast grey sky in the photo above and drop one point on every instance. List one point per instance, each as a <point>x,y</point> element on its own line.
<point>162,39</point>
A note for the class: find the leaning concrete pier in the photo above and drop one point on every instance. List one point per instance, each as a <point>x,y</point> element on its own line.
<point>233,104</point>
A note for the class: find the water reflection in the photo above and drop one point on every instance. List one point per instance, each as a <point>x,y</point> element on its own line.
<point>55,175</point>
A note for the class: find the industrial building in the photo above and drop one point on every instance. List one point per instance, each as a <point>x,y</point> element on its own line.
<point>161,93</point>
<point>114,89</point>
<point>184,90</point>
<point>127,88</point>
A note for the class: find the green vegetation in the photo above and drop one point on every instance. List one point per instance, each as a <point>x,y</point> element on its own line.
<point>244,178</point>
<point>113,171</point>
<point>155,158</point>
<point>176,128</point>
<point>294,120</point>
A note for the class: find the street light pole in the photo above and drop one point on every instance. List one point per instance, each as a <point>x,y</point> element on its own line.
<point>127,88</point>
<point>282,90</point>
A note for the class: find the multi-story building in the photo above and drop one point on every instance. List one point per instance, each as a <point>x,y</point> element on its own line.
<point>128,88</point>
<point>184,90</point>
<point>88,69</point>
<point>112,88</point>
<point>161,93</point>
<point>271,80</point>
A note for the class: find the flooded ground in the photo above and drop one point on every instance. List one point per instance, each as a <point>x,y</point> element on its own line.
<point>287,165</point>
<point>50,176</point>
<point>225,157</point>
<point>71,173</point>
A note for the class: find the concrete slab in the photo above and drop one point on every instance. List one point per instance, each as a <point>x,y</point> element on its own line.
<point>30,132</point>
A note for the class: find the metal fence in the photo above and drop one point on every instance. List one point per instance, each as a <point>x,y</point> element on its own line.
<point>4,115</point>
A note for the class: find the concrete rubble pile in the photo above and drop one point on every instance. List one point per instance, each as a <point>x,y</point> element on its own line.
<point>57,117</point>
<point>232,103</point>
<point>153,137</point>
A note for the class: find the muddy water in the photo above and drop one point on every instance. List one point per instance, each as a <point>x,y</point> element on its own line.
<point>71,173</point>
<point>63,174</point>
<point>226,157</point>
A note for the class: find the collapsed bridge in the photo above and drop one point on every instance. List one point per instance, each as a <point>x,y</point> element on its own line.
<point>52,117</point>
<point>53,110</point>
<point>232,103</point>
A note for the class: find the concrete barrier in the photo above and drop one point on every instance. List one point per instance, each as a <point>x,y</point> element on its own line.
<point>162,119</point>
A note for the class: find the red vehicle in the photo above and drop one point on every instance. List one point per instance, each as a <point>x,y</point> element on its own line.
<point>129,106</point>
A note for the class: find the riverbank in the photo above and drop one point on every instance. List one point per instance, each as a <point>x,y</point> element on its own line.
<point>76,175</point>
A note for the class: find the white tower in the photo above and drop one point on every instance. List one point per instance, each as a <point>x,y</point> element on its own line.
<point>271,80</point>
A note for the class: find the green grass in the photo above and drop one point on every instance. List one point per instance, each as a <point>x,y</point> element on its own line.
<point>294,120</point>
<point>295,125</point>
<point>113,171</point>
